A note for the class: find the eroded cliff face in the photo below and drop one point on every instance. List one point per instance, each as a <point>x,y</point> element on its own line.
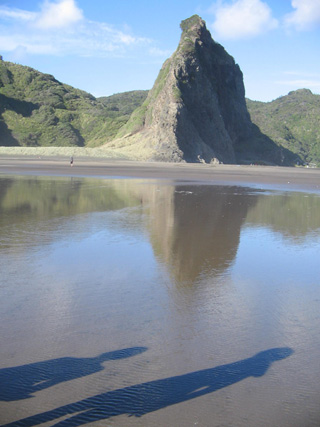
<point>196,110</point>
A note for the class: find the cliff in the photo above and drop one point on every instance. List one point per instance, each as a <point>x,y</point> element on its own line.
<point>196,110</point>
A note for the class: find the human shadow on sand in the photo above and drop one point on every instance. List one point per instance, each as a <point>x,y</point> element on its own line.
<point>140,399</point>
<point>21,382</point>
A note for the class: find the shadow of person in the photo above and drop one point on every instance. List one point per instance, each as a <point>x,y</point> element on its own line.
<point>21,382</point>
<point>140,399</point>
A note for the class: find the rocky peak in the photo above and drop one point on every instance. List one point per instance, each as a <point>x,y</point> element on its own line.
<point>194,31</point>
<point>193,27</point>
<point>300,92</point>
<point>196,110</point>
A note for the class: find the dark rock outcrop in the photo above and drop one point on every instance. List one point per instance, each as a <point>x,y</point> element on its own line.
<point>196,110</point>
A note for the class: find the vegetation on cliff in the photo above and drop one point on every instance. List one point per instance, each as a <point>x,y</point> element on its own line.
<point>196,109</point>
<point>38,110</point>
<point>292,121</point>
<point>138,118</point>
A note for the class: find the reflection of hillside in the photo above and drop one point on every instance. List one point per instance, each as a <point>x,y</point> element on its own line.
<point>196,229</point>
<point>32,208</point>
<point>294,215</point>
<point>43,198</point>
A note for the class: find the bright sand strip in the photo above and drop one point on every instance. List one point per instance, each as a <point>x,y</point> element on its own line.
<point>264,177</point>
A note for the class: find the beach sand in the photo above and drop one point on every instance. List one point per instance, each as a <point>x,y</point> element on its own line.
<point>264,177</point>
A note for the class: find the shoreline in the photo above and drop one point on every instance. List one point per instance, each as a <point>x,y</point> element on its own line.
<point>264,177</point>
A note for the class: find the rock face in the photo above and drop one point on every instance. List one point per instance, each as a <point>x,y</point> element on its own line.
<point>196,110</point>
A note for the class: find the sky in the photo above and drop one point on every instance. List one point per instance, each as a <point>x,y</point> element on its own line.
<point>106,47</point>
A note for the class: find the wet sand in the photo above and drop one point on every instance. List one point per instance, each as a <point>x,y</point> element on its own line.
<point>265,177</point>
<point>137,303</point>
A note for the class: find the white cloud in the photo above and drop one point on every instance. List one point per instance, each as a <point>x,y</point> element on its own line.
<point>305,16</point>
<point>16,14</point>
<point>301,73</point>
<point>18,47</point>
<point>300,83</point>
<point>59,14</point>
<point>156,52</point>
<point>301,79</point>
<point>242,19</point>
<point>91,39</point>
<point>19,54</point>
<point>52,31</point>
<point>53,14</point>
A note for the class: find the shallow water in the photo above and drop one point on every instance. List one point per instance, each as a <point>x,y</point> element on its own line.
<point>156,303</point>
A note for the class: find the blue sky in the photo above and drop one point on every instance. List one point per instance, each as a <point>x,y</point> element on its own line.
<point>106,47</point>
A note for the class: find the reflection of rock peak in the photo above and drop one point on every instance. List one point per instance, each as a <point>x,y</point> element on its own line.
<point>198,229</point>
<point>193,228</point>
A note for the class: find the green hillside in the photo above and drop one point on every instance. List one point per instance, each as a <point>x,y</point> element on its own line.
<point>38,110</point>
<point>291,121</point>
<point>124,103</point>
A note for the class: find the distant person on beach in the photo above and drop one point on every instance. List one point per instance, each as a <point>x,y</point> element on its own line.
<point>71,161</point>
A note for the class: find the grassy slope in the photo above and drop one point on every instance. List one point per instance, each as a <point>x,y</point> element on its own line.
<point>291,121</point>
<point>38,110</point>
<point>138,117</point>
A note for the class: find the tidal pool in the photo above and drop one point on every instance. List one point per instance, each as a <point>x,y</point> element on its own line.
<point>155,303</point>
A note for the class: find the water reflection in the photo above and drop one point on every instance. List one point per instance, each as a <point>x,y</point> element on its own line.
<point>194,230</point>
<point>202,276</point>
<point>43,198</point>
<point>295,216</point>
<point>197,230</point>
